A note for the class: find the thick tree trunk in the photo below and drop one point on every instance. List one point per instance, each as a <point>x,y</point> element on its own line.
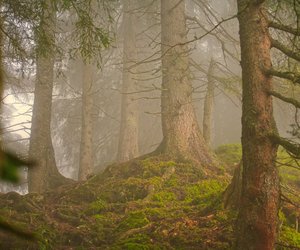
<point>209,105</point>
<point>128,138</point>
<point>86,145</point>
<point>45,175</point>
<point>181,134</point>
<point>257,219</point>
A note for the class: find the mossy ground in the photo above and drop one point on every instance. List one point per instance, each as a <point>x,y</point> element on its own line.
<point>151,203</point>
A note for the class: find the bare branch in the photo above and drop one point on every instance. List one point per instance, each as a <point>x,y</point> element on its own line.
<point>286,144</point>
<point>285,99</point>
<point>285,28</point>
<point>290,53</point>
<point>292,76</point>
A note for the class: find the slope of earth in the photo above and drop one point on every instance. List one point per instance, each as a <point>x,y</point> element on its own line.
<point>143,204</point>
<point>151,203</point>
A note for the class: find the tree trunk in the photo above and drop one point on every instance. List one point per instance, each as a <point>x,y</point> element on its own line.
<point>86,145</point>
<point>128,137</point>
<point>208,105</point>
<point>232,194</point>
<point>257,219</point>
<point>181,134</point>
<point>45,175</point>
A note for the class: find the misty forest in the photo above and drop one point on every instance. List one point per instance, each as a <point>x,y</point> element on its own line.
<point>154,124</point>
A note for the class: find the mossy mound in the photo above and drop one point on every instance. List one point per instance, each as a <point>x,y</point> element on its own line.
<point>152,203</point>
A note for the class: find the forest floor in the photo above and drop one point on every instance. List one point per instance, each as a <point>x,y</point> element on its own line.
<point>151,203</point>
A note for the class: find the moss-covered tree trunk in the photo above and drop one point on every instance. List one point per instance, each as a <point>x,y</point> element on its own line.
<point>45,175</point>
<point>209,105</point>
<point>128,137</point>
<point>181,134</point>
<point>257,219</point>
<point>86,144</point>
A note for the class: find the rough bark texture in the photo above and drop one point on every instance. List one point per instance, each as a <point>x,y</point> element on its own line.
<point>45,175</point>
<point>181,134</point>
<point>128,138</point>
<point>208,105</point>
<point>257,219</point>
<point>86,144</point>
<point>232,194</point>
<point>1,87</point>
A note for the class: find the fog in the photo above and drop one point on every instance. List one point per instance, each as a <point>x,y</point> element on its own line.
<point>132,58</point>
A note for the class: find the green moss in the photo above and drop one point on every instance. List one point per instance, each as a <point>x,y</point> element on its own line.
<point>143,204</point>
<point>134,220</point>
<point>172,182</point>
<point>155,182</point>
<point>156,213</point>
<point>97,206</point>
<point>125,190</point>
<point>135,246</point>
<point>46,237</point>
<point>137,242</point>
<point>204,192</point>
<point>187,172</point>
<point>289,236</point>
<point>152,167</point>
<point>164,196</point>
<point>282,217</point>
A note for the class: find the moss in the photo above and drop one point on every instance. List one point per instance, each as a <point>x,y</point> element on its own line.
<point>188,172</point>
<point>46,237</point>
<point>97,206</point>
<point>289,236</point>
<point>134,220</point>
<point>156,213</point>
<point>155,182</point>
<point>164,196</point>
<point>121,212</point>
<point>282,218</point>
<point>151,167</point>
<point>204,192</point>
<point>125,190</point>
<point>135,246</point>
<point>172,182</point>
<point>137,242</point>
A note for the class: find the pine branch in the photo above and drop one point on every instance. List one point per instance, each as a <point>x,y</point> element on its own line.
<point>292,76</point>
<point>285,99</point>
<point>285,28</point>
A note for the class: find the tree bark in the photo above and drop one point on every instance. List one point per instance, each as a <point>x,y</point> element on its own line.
<point>257,219</point>
<point>128,137</point>
<point>45,175</point>
<point>232,194</point>
<point>181,134</point>
<point>86,145</point>
<point>209,105</point>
